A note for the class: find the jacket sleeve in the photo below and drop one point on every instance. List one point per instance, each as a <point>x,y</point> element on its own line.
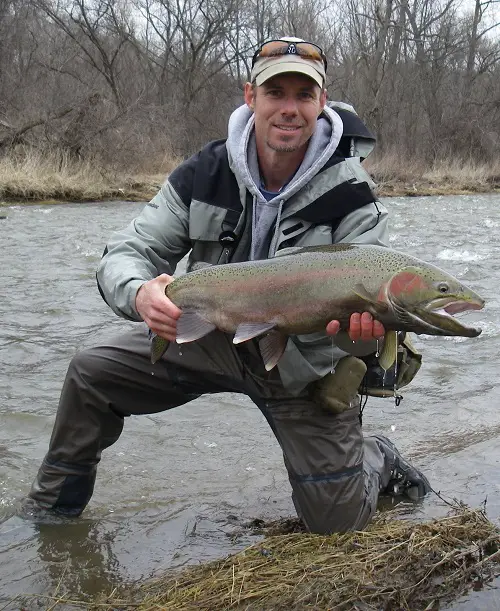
<point>152,244</point>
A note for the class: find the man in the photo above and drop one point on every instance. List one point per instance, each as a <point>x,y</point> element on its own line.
<point>284,177</point>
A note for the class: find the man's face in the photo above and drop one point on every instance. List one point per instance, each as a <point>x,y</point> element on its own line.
<point>286,109</point>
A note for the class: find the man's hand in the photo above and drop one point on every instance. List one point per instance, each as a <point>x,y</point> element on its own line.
<point>156,309</point>
<point>361,326</point>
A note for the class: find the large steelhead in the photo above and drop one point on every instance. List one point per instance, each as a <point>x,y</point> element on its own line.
<point>305,288</point>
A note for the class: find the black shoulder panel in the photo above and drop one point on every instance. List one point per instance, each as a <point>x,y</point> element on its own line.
<point>214,182</point>
<point>353,125</point>
<point>338,202</point>
<point>181,178</point>
<point>206,177</point>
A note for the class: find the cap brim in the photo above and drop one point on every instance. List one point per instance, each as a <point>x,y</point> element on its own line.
<point>283,65</point>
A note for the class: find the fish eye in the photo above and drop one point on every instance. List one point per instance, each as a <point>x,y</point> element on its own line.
<point>443,287</point>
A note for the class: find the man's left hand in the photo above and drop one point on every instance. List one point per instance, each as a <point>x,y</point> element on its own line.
<point>361,326</point>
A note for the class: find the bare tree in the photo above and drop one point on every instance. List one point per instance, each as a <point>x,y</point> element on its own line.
<point>124,80</point>
<point>100,32</point>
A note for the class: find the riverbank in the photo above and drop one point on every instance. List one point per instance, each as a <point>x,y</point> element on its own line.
<point>396,177</point>
<point>54,178</point>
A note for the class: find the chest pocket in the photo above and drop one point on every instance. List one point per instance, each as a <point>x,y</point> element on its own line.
<point>211,233</point>
<point>205,222</point>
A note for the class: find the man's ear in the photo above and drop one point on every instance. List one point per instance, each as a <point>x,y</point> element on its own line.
<point>322,100</point>
<point>250,96</point>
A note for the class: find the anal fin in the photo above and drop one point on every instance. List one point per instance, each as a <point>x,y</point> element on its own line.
<point>272,347</point>
<point>249,330</point>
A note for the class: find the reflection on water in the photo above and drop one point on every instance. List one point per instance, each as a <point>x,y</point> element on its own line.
<point>172,488</point>
<point>76,555</point>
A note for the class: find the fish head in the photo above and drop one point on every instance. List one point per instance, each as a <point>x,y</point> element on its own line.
<point>426,298</point>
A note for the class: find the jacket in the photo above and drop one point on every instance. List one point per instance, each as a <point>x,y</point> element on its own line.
<point>215,192</point>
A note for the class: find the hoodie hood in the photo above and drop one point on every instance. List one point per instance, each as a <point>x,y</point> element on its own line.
<point>242,152</point>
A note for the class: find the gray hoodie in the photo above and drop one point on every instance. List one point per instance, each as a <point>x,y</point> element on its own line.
<point>243,155</point>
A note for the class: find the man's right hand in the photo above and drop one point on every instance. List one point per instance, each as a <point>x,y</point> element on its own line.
<point>156,309</point>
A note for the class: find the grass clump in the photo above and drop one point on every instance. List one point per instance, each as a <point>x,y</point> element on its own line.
<point>394,564</point>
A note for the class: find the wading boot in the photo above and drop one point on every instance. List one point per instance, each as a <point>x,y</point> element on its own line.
<point>404,478</point>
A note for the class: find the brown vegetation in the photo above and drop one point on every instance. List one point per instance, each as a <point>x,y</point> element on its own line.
<point>52,177</point>
<point>396,176</point>
<point>55,177</point>
<point>394,564</point>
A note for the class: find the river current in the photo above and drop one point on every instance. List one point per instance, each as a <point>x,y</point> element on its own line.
<point>170,491</point>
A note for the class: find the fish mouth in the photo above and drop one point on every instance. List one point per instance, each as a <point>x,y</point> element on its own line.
<point>439,316</point>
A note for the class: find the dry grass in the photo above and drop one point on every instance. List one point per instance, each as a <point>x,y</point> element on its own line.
<point>32,176</point>
<point>394,564</point>
<point>398,176</point>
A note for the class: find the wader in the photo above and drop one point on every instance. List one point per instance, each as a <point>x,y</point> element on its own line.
<point>335,474</point>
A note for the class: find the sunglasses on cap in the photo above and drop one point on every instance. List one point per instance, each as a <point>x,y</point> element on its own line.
<point>276,48</point>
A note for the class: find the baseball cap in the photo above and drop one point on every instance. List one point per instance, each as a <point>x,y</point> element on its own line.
<point>288,54</point>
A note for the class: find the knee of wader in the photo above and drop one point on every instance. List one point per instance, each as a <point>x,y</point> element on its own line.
<point>86,364</point>
<point>333,504</point>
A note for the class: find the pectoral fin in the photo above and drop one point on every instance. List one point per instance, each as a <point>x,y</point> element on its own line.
<point>249,330</point>
<point>272,347</point>
<point>200,265</point>
<point>389,352</point>
<point>192,326</point>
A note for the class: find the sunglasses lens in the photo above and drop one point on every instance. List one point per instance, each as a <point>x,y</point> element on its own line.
<point>276,47</point>
<point>307,50</point>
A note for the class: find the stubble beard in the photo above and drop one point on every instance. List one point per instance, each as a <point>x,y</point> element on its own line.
<point>286,147</point>
<point>283,148</point>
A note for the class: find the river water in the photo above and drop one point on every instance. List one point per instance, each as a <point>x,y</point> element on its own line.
<point>171,489</point>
